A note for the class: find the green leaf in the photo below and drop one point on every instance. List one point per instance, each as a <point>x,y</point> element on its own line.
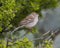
<point>0,29</point>
<point>0,16</point>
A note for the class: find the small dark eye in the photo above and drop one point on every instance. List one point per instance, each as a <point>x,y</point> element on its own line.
<point>0,4</point>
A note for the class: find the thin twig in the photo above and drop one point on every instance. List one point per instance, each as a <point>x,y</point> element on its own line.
<point>7,43</point>
<point>46,33</point>
<point>42,37</point>
<point>11,32</point>
<point>16,29</point>
<point>6,38</point>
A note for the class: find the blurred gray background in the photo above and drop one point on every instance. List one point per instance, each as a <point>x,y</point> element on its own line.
<point>51,21</point>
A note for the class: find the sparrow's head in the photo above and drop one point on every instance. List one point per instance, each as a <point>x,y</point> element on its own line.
<point>35,14</point>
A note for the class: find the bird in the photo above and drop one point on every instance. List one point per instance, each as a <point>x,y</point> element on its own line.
<point>30,21</point>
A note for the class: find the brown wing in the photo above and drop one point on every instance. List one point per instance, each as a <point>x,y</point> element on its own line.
<point>27,20</point>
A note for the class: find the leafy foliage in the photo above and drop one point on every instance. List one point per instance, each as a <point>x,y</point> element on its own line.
<point>47,44</point>
<point>24,43</point>
<point>6,13</point>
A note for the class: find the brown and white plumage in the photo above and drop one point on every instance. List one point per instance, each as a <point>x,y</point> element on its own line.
<point>30,21</point>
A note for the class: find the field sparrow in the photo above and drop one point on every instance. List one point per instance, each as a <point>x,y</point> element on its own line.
<point>30,21</point>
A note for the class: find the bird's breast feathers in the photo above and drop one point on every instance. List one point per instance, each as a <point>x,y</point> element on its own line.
<point>33,23</point>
